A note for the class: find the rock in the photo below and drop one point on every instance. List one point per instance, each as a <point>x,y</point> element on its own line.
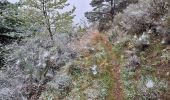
<point>150,31</point>
<point>166,38</point>
<point>134,61</point>
<point>144,39</point>
<point>142,42</point>
<point>94,70</point>
<point>52,58</point>
<point>18,62</point>
<point>149,84</point>
<point>91,50</point>
<point>160,30</point>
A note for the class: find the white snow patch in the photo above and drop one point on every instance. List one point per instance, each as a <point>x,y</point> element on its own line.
<point>18,62</point>
<point>149,84</point>
<point>52,58</point>
<point>94,69</point>
<point>46,54</point>
<point>163,41</point>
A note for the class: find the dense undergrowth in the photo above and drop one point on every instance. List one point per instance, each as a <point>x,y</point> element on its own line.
<point>150,80</point>
<point>131,61</point>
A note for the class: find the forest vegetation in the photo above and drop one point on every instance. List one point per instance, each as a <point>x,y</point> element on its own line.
<point>122,53</point>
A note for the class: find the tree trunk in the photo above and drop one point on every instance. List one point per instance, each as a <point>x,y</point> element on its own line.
<point>47,21</point>
<point>112,12</point>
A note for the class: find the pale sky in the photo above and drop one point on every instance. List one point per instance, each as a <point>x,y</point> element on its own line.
<point>81,7</point>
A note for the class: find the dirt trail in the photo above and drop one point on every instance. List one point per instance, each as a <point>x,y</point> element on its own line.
<point>116,91</point>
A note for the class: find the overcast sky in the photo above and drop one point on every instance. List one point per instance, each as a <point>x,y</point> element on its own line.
<point>81,7</point>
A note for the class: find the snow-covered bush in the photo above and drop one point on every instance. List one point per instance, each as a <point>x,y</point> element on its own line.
<point>58,88</point>
<point>37,59</point>
<point>138,17</point>
<point>35,53</point>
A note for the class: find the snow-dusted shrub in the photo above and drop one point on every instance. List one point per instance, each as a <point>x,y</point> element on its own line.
<point>158,8</point>
<point>39,52</point>
<point>58,88</point>
<point>37,59</point>
<point>138,17</point>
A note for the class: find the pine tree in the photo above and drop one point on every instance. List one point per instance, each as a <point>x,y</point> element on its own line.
<point>9,26</point>
<point>104,11</point>
<point>47,13</point>
<point>10,23</point>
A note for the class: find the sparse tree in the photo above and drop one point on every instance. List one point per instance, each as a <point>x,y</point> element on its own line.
<point>48,14</point>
